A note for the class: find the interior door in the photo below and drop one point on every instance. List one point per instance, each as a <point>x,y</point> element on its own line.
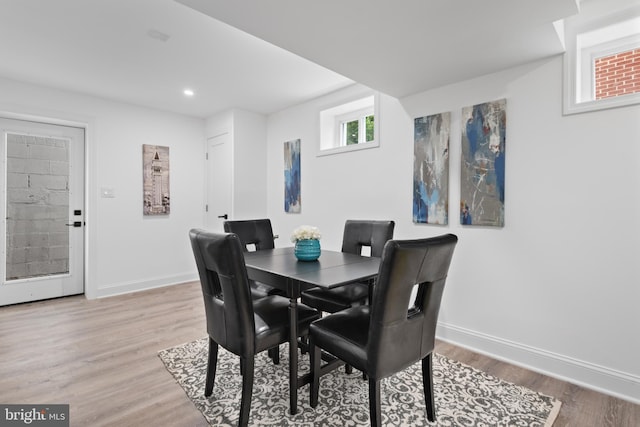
<point>42,211</point>
<point>219,181</point>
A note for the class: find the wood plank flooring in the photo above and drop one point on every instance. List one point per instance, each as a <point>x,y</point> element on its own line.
<point>100,357</point>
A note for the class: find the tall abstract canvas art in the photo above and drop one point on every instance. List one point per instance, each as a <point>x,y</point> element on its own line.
<point>431,169</point>
<point>292,176</point>
<point>482,173</point>
<point>155,165</point>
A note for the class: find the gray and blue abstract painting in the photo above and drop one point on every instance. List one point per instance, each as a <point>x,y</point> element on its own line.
<point>482,177</point>
<point>431,169</point>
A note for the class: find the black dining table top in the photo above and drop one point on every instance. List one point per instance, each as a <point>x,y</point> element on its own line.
<point>330,270</point>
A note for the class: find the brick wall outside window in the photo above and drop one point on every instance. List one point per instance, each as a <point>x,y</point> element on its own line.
<point>618,74</point>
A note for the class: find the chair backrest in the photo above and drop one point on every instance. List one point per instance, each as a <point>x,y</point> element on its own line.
<point>359,233</point>
<point>256,232</point>
<point>225,288</point>
<point>394,326</point>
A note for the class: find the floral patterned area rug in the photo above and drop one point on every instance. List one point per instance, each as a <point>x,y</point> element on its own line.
<point>464,396</point>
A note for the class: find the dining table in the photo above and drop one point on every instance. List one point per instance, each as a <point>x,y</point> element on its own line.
<point>281,269</point>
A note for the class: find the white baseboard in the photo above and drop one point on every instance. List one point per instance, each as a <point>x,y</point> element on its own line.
<point>599,378</point>
<point>142,285</point>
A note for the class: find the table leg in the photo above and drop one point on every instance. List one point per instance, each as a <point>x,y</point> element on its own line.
<point>370,283</point>
<point>294,294</point>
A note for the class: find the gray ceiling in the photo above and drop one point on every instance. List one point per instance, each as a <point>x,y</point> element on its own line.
<point>266,55</point>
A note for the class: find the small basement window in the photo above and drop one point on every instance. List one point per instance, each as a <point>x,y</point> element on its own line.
<point>349,126</point>
<point>602,62</point>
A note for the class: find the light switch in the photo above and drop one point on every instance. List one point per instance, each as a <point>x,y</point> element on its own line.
<point>107,192</point>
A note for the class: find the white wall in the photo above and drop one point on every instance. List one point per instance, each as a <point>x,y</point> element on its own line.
<point>127,251</point>
<point>250,168</point>
<point>556,289</point>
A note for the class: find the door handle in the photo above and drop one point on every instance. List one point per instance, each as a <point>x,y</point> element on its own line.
<point>225,216</point>
<point>75,224</point>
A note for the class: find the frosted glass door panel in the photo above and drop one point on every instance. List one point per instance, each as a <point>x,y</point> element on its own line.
<point>37,206</point>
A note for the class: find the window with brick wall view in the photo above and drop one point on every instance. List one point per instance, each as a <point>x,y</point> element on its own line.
<point>617,74</point>
<point>602,58</point>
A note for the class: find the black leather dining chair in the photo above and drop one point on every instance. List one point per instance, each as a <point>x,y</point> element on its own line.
<point>356,235</point>
<point>259,233</point>
<point>389,335</point>
<point>241,324</point>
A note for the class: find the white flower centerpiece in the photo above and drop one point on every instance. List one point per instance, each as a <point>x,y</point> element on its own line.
<point>307,241</point>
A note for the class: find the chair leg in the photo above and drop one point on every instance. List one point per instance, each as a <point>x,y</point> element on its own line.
<point>304,344</point>
<point>427,381</point>
<point>274,354</point>
<point>247,390</point>
<point>211,367</point>
<point>315,360</point>
<point>374,403</point>
<point>348,369</point>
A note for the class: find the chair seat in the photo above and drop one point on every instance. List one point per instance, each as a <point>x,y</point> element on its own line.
<point>271,315</point>
<point>336,299</point>
<point>344,334</point>
<point>261,290</point>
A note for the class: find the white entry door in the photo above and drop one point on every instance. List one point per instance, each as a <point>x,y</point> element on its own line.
<point>219,181</point>
<point>42,211</point>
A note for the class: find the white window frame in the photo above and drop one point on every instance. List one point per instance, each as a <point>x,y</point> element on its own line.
<point>586,41</point>
<point>333,117</point>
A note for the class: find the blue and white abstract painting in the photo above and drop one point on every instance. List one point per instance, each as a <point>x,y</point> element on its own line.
<point>292,176</point>
<point>431,169</point>
<point>482,177</point>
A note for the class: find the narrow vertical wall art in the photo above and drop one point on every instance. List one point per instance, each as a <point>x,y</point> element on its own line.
<point>155,166</point>
<point>292,176</point>
<point>482,177</point>
<point>431,169</point>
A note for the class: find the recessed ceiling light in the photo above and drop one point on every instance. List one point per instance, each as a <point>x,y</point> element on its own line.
<point>188,92</point>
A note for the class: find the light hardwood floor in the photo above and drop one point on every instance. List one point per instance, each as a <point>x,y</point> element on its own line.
<point>100,357</point>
